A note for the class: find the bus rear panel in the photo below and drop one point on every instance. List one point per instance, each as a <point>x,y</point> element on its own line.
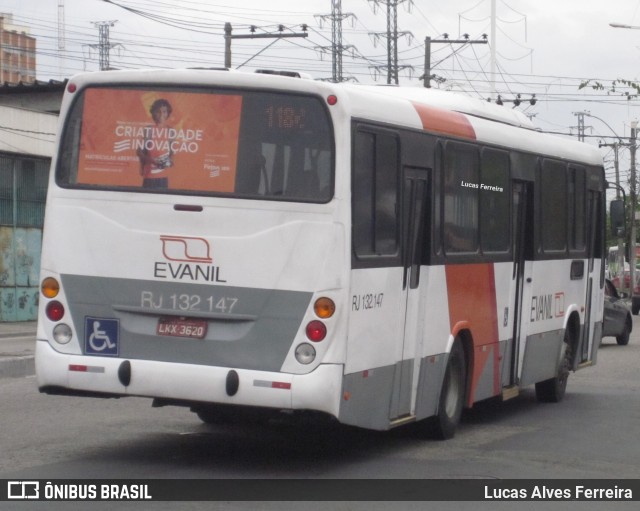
<point>189,244</point>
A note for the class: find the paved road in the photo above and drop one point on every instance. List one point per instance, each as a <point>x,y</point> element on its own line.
<point>592,434</point>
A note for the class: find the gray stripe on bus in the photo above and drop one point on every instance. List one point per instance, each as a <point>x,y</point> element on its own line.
<point>232,341</point>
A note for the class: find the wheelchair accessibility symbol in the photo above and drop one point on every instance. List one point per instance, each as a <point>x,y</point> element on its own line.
<point>101,336</point>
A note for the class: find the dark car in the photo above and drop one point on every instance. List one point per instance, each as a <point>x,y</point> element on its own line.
<point>623,283</point>
<point>617,315</point>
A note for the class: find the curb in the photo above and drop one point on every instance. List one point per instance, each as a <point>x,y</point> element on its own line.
<point>17,349</point>
<point>17,367</point>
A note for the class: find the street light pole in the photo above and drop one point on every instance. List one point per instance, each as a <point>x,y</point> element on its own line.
<point>634,199</point>
<point>632,194</point>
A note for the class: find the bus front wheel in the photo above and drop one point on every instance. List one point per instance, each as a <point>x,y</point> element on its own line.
<point>553,390</point>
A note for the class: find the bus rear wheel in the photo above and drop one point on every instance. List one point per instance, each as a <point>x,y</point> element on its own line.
<point>554,389</point>
<point>443,425</point>
<point>227,414</point>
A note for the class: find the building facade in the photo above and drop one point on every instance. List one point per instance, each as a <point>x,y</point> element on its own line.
<point>27,140</point>
<point>17,52</point>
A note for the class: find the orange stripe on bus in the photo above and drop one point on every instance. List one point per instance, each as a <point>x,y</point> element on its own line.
<point>471,294</point>
<point>445,121</point>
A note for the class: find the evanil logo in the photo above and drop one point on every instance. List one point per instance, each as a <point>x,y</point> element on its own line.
<point>186,258</point>
<point>186,249</point>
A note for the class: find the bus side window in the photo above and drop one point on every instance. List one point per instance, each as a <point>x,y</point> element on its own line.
<point>461,190</point>
<point>375,194</point>
<point>553,205</point>
<point>577,208</point>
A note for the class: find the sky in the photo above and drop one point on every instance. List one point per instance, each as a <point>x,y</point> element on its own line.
<point>545,48</point>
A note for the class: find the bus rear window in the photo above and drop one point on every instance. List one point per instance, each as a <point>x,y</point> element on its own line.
<point>233,143</point>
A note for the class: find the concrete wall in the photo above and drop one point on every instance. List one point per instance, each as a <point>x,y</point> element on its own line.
<point>27,132</point>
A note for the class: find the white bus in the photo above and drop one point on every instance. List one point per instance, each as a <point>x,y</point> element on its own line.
<point>234,242</point>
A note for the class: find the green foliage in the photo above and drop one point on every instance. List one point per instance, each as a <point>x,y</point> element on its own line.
<point>621,87</point>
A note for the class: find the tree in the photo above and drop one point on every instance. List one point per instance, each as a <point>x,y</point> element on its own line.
<point>622,87</point>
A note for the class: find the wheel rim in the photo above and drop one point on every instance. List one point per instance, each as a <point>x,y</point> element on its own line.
<point>565,367</point>
<point>453,391</point>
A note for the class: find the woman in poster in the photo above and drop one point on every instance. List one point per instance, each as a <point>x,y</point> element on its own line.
<point>156,156</point>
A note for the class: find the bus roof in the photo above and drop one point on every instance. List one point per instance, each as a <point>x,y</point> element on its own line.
<point>434,110</point>
<point>475,119</point>
<point>456,102</point>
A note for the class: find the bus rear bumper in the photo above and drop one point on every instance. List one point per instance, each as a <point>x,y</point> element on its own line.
<point>79,375</point>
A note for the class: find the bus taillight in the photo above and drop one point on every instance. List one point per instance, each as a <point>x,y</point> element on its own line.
<point>324,307</point>
<point>50,287</point>
<point>55,310</point>
<point>316,331</point>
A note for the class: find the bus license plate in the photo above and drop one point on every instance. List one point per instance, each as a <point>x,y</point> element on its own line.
<point>182,327</point>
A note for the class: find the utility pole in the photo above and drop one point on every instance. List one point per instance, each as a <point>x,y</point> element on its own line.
<point>227,45</point>
<point>581,126</point>
<point>634,200</point>
<point>427,52</point>
<point>392,35</point>
<point>61,37</point>
<point>493,49</point>
<point>337,48</point>
<point>580,116</point>
<point>616,164</point>
<point>228,36</point>
<point>104,46</point>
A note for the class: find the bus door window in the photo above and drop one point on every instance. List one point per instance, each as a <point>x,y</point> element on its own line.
<point>522,240</point>
<point>416,213</point>
<point>494,203</point>
<point>593,251</point>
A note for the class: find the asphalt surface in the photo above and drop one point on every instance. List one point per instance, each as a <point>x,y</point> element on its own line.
<point>17,348</point>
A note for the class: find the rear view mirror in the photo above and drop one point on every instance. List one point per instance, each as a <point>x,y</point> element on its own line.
<point>616,216</point>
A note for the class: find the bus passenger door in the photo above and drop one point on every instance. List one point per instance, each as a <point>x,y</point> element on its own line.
<point>416,193</point>
<point>592,274</point>
<point>522,239</point>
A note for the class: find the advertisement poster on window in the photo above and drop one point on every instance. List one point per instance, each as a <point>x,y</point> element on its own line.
<point>153,139</point>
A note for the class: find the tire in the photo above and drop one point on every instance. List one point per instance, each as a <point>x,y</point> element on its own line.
<point>623,338</point>
<point>213,414</point>
<point>225,414</point>
<point>443,425</point>
<point>554,389</point>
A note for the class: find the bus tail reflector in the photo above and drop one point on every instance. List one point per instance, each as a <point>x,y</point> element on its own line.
<point>272,384</point>
<point>316,331</point>
<point>280,385</point>
<point>80,368</point>
<point>332,100</point>
<point>55,311</point>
